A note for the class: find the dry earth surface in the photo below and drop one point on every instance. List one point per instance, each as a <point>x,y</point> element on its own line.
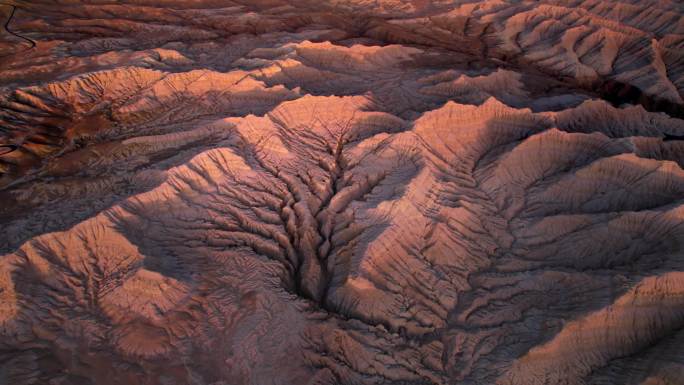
<point>343,192</point>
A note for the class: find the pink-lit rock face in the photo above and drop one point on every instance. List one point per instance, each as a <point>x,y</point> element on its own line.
<point>218,192</point>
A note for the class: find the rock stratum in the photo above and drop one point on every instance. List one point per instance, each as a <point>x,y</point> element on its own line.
<point>341,192</point>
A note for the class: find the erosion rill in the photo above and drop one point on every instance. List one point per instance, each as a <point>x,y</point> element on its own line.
<point>350,192</point>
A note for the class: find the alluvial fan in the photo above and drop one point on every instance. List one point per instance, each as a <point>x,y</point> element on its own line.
<point>350,192</point>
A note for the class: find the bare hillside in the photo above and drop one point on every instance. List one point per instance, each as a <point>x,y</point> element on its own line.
<point>349,192</point>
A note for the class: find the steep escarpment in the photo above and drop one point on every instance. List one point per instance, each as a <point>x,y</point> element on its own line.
<point>346,192</point>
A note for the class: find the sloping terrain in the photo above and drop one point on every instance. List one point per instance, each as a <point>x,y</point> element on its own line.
<point>342,192</point>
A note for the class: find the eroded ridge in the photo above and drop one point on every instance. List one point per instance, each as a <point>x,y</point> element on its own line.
<point>346,192</point>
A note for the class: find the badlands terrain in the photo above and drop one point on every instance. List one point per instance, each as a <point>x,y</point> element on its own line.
<point>341,192</point>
